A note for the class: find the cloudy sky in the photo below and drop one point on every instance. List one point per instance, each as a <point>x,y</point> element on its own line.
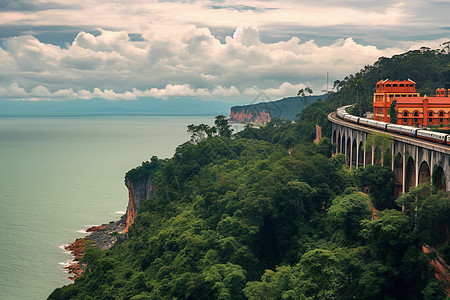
<point>219,50</point>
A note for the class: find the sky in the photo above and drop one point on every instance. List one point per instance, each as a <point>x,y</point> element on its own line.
<point>222,50</point>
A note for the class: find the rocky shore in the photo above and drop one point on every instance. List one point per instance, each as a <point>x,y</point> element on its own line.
<point>103,236</point>
<point>106,235</point>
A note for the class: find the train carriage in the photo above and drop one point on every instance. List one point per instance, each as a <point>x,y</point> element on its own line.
<point>341,113</point>
<point>352,118</point>
<point>409,130</point>
<point>402,129</point>
<point>432,136</point>
<point>381,125</point>
<point>371,123</point>
<point>363,121</point>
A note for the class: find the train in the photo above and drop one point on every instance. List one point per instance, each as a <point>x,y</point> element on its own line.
<point>437,137</point>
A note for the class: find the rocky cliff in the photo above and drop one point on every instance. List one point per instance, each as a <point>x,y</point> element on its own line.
<point>140,187</point>
<point>263,112</point>
<point>138,191</point>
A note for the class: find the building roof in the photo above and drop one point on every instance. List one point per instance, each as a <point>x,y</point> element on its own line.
<point>388,80</point>
<point>419,100</point>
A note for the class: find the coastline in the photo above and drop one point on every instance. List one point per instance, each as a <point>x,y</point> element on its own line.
<point>103,236</point>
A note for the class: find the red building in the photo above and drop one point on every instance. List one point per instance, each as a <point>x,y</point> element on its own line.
<point>412,109</point>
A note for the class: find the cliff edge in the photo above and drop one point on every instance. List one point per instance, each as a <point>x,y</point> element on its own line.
<point>138,191</point>
<point>140,184</point>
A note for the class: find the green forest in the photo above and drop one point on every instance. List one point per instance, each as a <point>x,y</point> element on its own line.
<point>267,214</point>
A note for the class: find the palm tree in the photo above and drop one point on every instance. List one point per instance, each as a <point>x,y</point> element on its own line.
<point>302,93</point>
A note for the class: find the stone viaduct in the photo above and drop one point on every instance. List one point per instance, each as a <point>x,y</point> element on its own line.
<point>413,160</point>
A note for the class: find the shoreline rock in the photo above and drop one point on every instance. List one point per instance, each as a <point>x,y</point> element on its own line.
<point>76,249</point>
<point>103,236</point>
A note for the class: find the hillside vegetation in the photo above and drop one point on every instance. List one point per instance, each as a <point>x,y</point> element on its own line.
<point>267,214</point>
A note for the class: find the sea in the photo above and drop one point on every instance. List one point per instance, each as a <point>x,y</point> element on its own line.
<point>60,175</point>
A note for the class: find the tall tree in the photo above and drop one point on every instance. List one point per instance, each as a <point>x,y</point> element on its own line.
<point>302,93</point>
<point>393,112</point>
<point>346,214</point>
<point>200,132</point>
<point>358,87</point>
<point>223,128</point>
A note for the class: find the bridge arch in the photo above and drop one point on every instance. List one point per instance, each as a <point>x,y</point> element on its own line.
<point>398,175</point>
<point>334,140</point>
<point>439,178</point>
<point>387,158</point>
<point>377,156</point>
<point>343,144</point>
<point>360,155</point>
<point>410,174</point>
<point>424,173</point>
<point>339,150</point>
<point>348,151</point>
<point>354,152</point>
<point>369,157</point>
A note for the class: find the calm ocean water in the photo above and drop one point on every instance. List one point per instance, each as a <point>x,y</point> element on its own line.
<point>59,176</point>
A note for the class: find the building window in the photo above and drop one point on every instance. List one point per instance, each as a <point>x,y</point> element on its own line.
<point>429,120</point>
<point>394,85</point>
<point>388,85</point>
<point>430,114</point>
<point>441,120</point>
<point>416,114</point>
<point>402,85</point>
<point>405,120</point>
<point>441,114</point>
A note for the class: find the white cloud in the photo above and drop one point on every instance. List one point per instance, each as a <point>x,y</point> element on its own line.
<point>285,89</point>
<point>204,48</point>
<point>13,91</point>
<point>189,62</point>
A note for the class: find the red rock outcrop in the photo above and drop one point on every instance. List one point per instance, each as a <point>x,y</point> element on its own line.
<point>440,268</point>
<point>77,250</point>
<point>96,228</point>
<point>245,117</point>
<point>137,192</point>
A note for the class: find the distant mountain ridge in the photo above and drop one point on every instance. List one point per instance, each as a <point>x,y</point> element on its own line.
<point>263,112</point>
